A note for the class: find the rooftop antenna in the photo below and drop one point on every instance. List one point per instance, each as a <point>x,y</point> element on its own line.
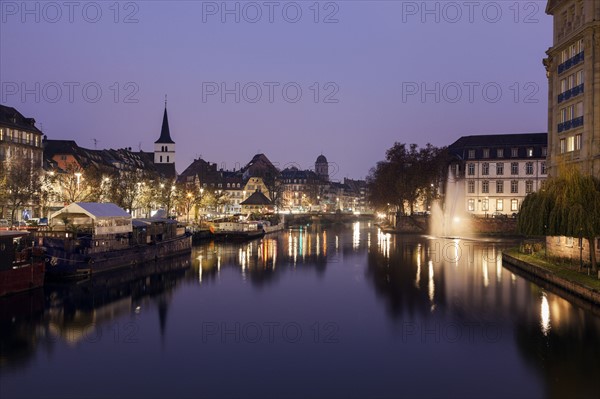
<point>95,144</point>
<point>140,146</point>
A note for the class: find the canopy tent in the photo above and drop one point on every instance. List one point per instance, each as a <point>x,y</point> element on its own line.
<point>102,218</point>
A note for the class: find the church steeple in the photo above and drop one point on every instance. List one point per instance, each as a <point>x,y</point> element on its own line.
<point>165,133</point>
<point>164,147</point>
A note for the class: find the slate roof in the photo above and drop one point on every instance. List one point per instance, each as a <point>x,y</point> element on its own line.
<point>165,133</point>
<point>493,142</point>
<point>13,119</point>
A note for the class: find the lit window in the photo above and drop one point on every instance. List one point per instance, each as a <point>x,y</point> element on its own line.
<point>563,145</point>
<point>471,205</point>
<point>485,204</point>
<point>578,142</point>
<point>570,144</point>
<point>529,152</point>
<point>514,205</point>
<point>499,205</point>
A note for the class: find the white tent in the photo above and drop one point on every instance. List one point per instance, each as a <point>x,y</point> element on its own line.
<point>102,218</point>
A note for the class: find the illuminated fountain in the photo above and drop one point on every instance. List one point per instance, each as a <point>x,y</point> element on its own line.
<point>450,218</point>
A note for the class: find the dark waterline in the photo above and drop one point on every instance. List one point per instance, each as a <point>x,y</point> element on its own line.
<point>338,311</point>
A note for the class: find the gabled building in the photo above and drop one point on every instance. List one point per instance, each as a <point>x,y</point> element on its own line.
<point>19,137</point>
<point>494,173</point>
<point>257,202</point>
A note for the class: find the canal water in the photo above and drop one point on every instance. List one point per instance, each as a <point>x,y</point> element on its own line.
<point>330,311</point>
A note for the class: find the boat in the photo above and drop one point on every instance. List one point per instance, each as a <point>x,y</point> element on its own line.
<point>269,228</point>
<point>22,265</point>
<point>237,231</point>
<point>86,238</point>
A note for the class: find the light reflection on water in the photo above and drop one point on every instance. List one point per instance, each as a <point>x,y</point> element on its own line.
<point>434,303</point>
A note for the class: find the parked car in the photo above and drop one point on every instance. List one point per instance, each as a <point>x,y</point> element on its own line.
<point>4,223</point>
<point>499,215</point>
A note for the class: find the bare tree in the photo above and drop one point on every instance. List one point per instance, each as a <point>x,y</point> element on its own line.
<point>20,182</point>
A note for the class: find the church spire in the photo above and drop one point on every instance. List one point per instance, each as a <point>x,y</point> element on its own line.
<point>165,134</point>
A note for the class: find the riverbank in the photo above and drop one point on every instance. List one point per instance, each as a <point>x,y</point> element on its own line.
<point>565,279</point>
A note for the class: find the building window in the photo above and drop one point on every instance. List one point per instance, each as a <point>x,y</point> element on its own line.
<point>485,168</point>
<point>485,186</point>
<point>570,144</point>
<point>471,154</point>
<point>514,205</point>
<point>563,145</point>
<point>471,205</point>
<point>161,158</point>
<point>499,186</point>
<point>514,186</point>
<point>529,186</point>
<point>544,151</point>
<point>471,186</point>
<point>569,241</point>
<point>529,152</point>
<point>577,142</point>
<point>499,205</point>
<point>485,204</point>
<point>529,168</point>
<point>514,152</point>
<point>486,152</point>
<point>471,169</point>
<point>500,153</point>
<point>500,168</point>
<point>543,168</point>
<point>514,168</point>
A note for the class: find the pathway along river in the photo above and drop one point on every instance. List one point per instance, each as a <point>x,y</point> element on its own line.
<point>337,311</point>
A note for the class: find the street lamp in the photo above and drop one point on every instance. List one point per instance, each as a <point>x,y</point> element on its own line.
<point>78,176</point>
<point>189,205</point>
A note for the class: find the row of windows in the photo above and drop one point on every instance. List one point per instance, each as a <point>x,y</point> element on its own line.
<point>17,136</point>
<point>573,80</point>
<point>164,148</point>
<point>220,185</point>
<point>485,205</point>
<point>569,144</point>
<point>514,168</point>
<point>571,112</point>
<point>514,186</point>
<point>571,51</point>
<point>514,152</point>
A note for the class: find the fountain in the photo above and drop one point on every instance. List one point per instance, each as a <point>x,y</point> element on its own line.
<point>449,217</point>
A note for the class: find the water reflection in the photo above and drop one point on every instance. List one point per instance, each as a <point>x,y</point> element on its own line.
<point>448,308</point>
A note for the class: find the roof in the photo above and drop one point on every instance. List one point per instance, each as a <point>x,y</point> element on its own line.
<point>95,210</point>
<point>498,141</point>
<point>166,170</point>
<point>12,118</point>
<point>165,133</point>
<point>321,159</point>
<point>259,166</point>
<point>257,198</point>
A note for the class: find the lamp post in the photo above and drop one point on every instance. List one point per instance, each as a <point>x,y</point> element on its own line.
<point>78,176</point>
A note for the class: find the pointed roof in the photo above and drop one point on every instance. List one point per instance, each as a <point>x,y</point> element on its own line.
<point>257,198</point>
<point>165,134</point>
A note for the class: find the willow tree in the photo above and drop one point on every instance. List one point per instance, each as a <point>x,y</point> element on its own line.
<point>568,205</point>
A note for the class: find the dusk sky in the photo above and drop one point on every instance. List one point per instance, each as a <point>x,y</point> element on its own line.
<point>361,75</point>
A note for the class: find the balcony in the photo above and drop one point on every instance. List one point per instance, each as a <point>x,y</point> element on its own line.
<point>572,124</point>
<point>571,62</point>
<point>575,91</point>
